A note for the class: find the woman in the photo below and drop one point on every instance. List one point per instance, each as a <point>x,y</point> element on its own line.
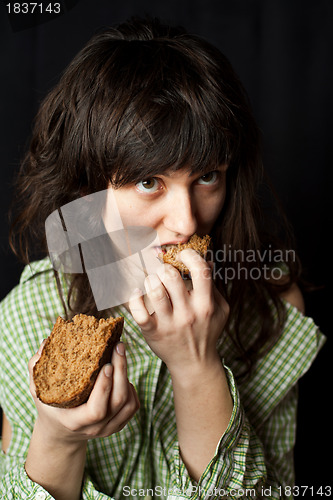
<point>158,119</point>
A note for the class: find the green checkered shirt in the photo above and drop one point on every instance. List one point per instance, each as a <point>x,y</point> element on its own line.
<point>143,459</point>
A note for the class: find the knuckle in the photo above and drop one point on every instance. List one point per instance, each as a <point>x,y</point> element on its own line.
<point>189,252</point>
<point>188,318</point>
<point>93,432</point>
<point>95,415</point>
<point>208,310</point>
<point>133,406</point>
<point>157,294</point>
<point>119,400</point>
<point>144,323</point>
<point>72,426</point>
<point>206,272</point>
<point>171,272</point>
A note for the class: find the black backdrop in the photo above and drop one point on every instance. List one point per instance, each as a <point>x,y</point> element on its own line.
<point>282,51</point>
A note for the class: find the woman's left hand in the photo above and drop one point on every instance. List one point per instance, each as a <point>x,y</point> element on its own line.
<point>186,325</point>
<point>183,332</point>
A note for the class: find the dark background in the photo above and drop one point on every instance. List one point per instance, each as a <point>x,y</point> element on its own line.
<point>282,51</point>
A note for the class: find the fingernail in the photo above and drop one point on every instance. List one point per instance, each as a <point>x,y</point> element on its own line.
<point>108,370</point>
<point>136,293</point>
<point>120,349</point>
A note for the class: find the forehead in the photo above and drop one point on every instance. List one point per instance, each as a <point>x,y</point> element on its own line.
<point>187,172</point>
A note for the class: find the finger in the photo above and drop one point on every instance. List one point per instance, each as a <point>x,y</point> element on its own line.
<point>129,409</point>
<point>136,397</point>
<point>98,402</point>
<point>211,264</point>
<point>127,412</point>
<point>158,295</point>
<point>120,389</point>
<point>201,272</point>
<point>36,356</point>
<point>175,286</point>
<point>221,302</point>
<point>31,365</point>
<point>138,309</point>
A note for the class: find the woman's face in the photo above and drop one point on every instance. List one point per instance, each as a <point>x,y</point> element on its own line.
<point>176,204</point>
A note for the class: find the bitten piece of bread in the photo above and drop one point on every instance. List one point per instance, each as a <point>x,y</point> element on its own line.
<point>72,357</point>
<point>198,244</point>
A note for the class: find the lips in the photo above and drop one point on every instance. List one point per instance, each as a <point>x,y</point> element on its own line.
<point>174,244</point>
<point>168,252</point>
<point>163,249</point>
<point>167,247</point>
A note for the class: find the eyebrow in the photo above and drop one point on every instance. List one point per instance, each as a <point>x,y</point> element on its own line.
<point>191,172</point>
<point>211,169</point>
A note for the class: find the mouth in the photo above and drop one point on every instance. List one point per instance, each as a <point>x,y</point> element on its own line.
<point>163,249</point>
<point>168,253</point>
<point>197,243</point>
<point>166,248</point>
<point>173,245</point>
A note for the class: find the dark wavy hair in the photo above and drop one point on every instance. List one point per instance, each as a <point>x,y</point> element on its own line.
<point>137,100</point>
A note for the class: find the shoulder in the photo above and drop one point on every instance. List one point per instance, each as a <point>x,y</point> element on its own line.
<point>291,292</point>
<point>294,297</point>
<point>279,369</point>
<point>30,308</point>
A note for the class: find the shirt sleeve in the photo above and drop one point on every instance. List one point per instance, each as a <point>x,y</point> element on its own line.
<point>242,467</point>
<point>16,484</point>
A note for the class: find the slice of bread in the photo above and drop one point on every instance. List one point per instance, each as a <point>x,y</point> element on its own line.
<point>72,357</point>
<point>198,244</point>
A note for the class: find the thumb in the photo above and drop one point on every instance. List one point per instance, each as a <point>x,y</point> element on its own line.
<point>31,365</point>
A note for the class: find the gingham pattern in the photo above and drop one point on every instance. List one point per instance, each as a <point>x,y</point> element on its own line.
<point>143,459</point>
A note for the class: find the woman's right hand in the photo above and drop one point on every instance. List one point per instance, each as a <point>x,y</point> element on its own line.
<point>57,451</point>
<point>112,403</point>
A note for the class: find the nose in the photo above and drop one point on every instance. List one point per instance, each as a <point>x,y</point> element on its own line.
<point>180,214</point>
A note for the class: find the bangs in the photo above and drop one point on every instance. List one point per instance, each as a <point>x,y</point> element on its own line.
<point>176,140</point>
<point>167,111</point>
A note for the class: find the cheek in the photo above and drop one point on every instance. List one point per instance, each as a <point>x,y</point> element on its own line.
<point>133,211</point>
<point>118,211</point>
<point>209,209</point>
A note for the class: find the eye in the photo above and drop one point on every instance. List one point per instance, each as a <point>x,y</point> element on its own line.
<point>209,178</point>
<point>148,185</point>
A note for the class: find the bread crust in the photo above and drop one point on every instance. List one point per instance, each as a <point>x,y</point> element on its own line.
<point>65,373</point>
<point>200,245</point>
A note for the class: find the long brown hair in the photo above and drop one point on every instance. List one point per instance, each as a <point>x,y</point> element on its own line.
<point>136,101</point>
